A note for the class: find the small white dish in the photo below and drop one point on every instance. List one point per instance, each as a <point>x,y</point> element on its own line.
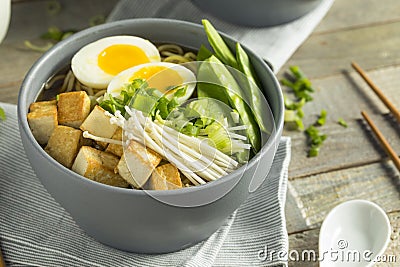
<point>5,11</point>
<point>353,234</point>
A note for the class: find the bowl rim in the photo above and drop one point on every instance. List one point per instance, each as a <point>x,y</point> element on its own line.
<point>46,57</point>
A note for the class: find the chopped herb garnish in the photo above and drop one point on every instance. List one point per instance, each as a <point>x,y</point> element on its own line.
<point>342,122</point>
<point>299,83</point>
<point>56,35</point>
<point>53,7</point>
<point>38,48</point>
<point>315,140</point>
<point>97,20</point>
<point>322,118</point>
<point>294,114</point>
<point>2,114</point>
<point>112,104</point>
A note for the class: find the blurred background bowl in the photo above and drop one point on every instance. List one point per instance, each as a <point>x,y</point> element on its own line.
<point>257,13</point>
<point>133,220</point>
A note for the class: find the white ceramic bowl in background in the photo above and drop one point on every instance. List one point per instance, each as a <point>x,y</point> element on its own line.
<point>5,11</point>
<point>356,227</point>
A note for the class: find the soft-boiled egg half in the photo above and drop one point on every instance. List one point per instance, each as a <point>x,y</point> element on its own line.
<point>95,64</point>
<point>159,75</point>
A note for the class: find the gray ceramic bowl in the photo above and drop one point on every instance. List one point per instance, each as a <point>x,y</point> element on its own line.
<point>257,13</point>
<point>131,219</point>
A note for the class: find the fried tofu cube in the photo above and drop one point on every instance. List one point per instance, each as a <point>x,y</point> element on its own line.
<point>64,144</point>
<point>141,162</point>
<point>40,104</point>
<point>165,177</point>
<point>42,119</point>
<point>98,166</point>
<point>73,108</point>
<point>98,123</point>
<point>114,148</point>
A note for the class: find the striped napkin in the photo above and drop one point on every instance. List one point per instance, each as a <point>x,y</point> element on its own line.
<point>275,44</point>
<point>36,231</point>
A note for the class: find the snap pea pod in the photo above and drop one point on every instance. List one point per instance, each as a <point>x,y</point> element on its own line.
<point>208,85</point>
<point>218,74</point>
<point>203,53</point>
<point>254,94</point>
<point>221,50</point>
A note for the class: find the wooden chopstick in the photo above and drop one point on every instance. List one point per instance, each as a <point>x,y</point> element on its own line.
<point>382,139</point>
<point>377,91</point>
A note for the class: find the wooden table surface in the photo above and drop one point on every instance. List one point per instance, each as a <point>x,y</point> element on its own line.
<point>351,164</point>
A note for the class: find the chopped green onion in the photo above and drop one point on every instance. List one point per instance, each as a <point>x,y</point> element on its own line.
<point>294,114</point>
<point>56,35</point>
<point>322,118</point>
<point>97,20</point>
<point>53,7</point>
<point>301,85</point>
<point>342,122</point>
<point>2,114</point>
<point>38,48</point>
<point>315,140</point>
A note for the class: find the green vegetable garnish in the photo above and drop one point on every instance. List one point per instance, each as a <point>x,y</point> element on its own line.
<point>322,118</point>
<point>222,51</point>
<point>315,140</point>
<point>112,104</point>
<point>342,122</point>
<point>38,48</point>
<point>203,53</point>
<point>2,114</point>
<point>97,20</point>
<point>294,114</point>
<point>53,34</point>
<point>56,35</point>
<point>293,121</point>
<point>252,88</point>
<point>216,73</point>
<point>53,7</point>
<point>301,85</point>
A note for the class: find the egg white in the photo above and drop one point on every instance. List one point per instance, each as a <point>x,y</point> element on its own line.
<point>85,65</point>
<point>123,78</point>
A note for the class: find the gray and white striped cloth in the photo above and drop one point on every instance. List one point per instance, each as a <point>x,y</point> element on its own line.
<point>36,231</point>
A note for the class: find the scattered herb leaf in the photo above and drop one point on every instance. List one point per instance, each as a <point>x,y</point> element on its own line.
<point>342,122</point>
<point>38,48</point>
<point>322,118</point>
<point>97,20</point>
<point>315,140</point>
<point>299,83</point>
<point>294,114</point>
<point>53,7</point>
<point>55,34</point>
<point>2,114</point>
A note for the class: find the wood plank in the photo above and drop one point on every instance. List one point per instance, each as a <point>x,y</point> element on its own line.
<point>346,14</point>
<point>316,195</point>
<point>9,94</point>
<point>345,96</point>
<point>308,240</point>
<point>329,54</point>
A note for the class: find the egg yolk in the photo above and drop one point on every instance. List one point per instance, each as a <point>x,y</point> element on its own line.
<point>117,58</point>
<point>159,77</point>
